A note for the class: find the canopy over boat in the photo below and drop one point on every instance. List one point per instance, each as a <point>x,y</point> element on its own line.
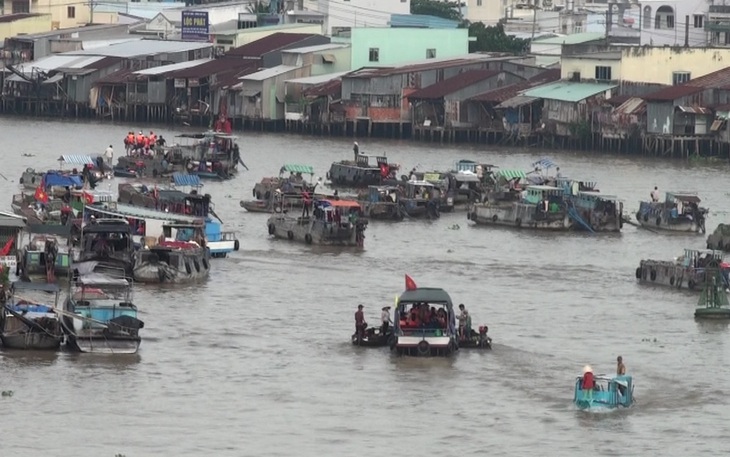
<point>40,286</point>
<point>55,179</point>
<point>296,168</point>
<point>510,174</point>
<point>76,159</point>
<point>339,203</point>
<point>425,295</point>
<point>687,197</point>
<point>101,281</point>
<point>185,179</point>
<point>544,163</point>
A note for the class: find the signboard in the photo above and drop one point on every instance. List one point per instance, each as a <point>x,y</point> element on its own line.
<point>180,83</point>
<point>9,261</point>
<point>195,26</point>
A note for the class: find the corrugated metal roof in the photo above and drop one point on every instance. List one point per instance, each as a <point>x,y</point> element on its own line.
<point>317,79</point>
<point>93,44</point>
<point>576,38</point>
<point>330,88</point>
<point>268,73</point>
<point>76,159</point>
<point>512,174</point>
<point>422,21</point>
<point>694,110</point>
<point>171,68</point>
<point>568,91</point>
<point>633,105</point>
<point>145,213</point>
<point>672,93</point>
<point>268,44</point>
<point>517,101</point>
<point>215,67</point>
<point>316,48</point>
<point>141,48</point>
<point>505,93</point>
<point>296,168</point>
<point>186,180</point>
<point>716,79</point>
<point>421,65</point>
<point>451,85</point>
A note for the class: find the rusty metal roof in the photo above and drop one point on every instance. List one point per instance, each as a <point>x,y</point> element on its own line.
<point>231,78</point>
<point>374,72</point>
<point>330,88</point>
<point>503,94</point>
<point>633,105</point>
<point>17,17</point>
<point>214,67</point>
<point>268,44</point>
<point>672,93</point>
<point>117,78</point>
<point>451,85</point>
<point>694,110</point>
<point>716,79</point>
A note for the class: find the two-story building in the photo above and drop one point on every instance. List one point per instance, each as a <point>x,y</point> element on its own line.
<point>341,16</point>
<point>673,22</point>
<point>64,13</point>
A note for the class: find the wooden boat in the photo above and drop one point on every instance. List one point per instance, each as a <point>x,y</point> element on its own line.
<point>543,207</point>
<point>364,171</point>
<point>679,212</point>
<point>155,164</point>
<point>178,258</point>
<point>430,340</point>
<point>373,337</point>
<point>46,254</point>
<point>610,392</point>
<point>713,302</point>
<point>383,203</point>
<point>685,272</point>
<point>290,188</point>
<point>421,199</point>
<point>100,317</point>
<point>27,323</point>
<point>477,339</point>
<point>332,222</point>
<point>720,238</point>
<point>218,152</point>
<point>106,244</point>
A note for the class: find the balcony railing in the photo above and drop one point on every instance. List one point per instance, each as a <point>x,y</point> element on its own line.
<point>720,9</point>
<point>717,26</point>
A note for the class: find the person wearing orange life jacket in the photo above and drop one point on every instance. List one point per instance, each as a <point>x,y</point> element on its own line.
<point>129,142</point>
<point>153,139</point>
<point>146,145</point>
<point>140,141</point>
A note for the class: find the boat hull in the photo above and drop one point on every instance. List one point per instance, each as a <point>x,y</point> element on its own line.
<point>312,231</point>
<point>683,226</point>
<point>104,345</point>
<point>373,338</point>
<point>425,346</point>
<point>256,206</point>
<point>31,341</point>
<point>158,272</point>
<point>712,313</point>
<point>670,274</point>
<point>519,215</point>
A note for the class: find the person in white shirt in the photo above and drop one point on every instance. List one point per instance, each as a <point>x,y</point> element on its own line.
<point>385,318</point>
<point>655,194</point>
<point>109,155</point>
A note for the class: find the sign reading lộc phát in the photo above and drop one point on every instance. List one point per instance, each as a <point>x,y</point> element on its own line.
<point>195,26</point>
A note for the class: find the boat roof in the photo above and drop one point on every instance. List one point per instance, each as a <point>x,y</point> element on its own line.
<point>207,135</point>
<point>425,294</point>
<point>185,179</point>
<point>42,286</point>
<point>49,229</point>
<point>599,195</point>
<point>76,159</point>
<point>99,279</point>
<point>342,203</point>
<point>143,213</point>
<point>421,183</point>
<point>544,188</point>
<point>467,176</point>
<point>112,225</point>
<point>545,162</point>
<point>511,173</point>
<point>296,168</point>
<point>685,196</point>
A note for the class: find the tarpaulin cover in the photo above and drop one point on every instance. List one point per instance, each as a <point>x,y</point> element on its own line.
<point>58,180</point>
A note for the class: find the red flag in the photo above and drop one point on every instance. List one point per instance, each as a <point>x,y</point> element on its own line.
<point>410,283</point>
<point>41,195</point>
<point>89,198</point>
<point>8,246</point>
<point>384,171</point>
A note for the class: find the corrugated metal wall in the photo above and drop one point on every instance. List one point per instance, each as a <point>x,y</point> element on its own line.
<point>660,118</point>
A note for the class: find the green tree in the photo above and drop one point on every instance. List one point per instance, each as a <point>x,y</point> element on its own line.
<point>493,39</point>
<point>446,10</point>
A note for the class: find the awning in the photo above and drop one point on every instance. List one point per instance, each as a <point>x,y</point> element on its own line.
<point>694,110</point>
<point>280,98</point>
<point>516,102</point>
<point>251,92</point>
<point>54,79</point>
<point>544,163</point>
<point>74,159</point>
<point>184,179</point>
<point>512,174</point>
<point>295,168</point>
<point>717,125</point>
<point>329,58</point>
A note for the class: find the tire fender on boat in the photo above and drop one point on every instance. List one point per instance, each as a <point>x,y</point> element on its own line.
<point>638,272</point>
<point>691,284</point>
<point>237,245</point>
<point>518,222</point>
<point>653,275</point>
<point>424,348</point>
<point>308,238</point>
<point>290,235</point>
<point>495,218</point>
<point>272,229</point>
<point>391,341</point>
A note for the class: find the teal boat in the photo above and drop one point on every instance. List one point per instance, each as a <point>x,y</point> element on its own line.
<point>608,393</point>
<point>713,302</point>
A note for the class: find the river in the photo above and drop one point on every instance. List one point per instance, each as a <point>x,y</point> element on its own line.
<point>258,360</point>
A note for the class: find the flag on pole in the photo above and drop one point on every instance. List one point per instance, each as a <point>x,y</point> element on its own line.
<point>40,191</point>
<point>410,283</point>
<point>88,198</point>
<point>8,246</point>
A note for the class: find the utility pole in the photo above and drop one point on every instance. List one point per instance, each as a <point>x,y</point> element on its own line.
<point>91,11</point>
<point>608,23</point>
<point>534,21</point>
<point>686,31</point>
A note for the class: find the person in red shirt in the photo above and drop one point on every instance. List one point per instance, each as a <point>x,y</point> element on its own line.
<point>360,324</point>
<point>588,383</point>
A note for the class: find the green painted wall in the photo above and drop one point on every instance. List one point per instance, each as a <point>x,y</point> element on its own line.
<point>404,45</point>
<point>341,63</point>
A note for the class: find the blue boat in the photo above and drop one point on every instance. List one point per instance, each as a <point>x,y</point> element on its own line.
<point>100,317</point>
<point>608,393</point>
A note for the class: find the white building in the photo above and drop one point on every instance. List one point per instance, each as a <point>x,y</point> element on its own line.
<point>487,11</point>
<point>342,15</point>
<point>674,23</point>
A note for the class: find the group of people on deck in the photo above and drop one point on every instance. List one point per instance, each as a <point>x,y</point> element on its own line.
<point>588,382</point>
<point>420,316</point>
<point>141,144</point>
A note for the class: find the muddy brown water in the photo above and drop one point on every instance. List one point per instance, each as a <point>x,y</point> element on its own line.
<point>257,360</point>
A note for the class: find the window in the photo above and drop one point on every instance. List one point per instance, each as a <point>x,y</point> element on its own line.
<point>603,73</point>
<point>430,53</point>
<point>21,7</point>
<point>647,17</point>
<point>670,22</point>
<point>71,12</point>
<point>479,2</point>
<point>680,77</point>
<point>374,55</point>
<point>699,21</point>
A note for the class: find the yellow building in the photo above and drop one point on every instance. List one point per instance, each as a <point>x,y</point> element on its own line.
<point>23,24</point>
<point>64,13</point>
<point>647,65</point>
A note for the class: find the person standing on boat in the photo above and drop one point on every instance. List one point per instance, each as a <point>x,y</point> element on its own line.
<point>360,324</point>
<point>356,150</point>
<point>306,203</point>
<point>462,321</point>
<point>109,155</point>
<point>655,195</point>
<point>588,383</point>
<point>385,318</point>
<point>620,367</point>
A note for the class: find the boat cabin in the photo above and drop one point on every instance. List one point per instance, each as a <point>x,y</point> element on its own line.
<point>107,236</point>
<point>421,190</point>
<point>510,179</point>
<point>573,187</point>
<point>332,210</point>
<point>83,197</point>
<point>543,195</point>
<point>683,203</point>
<point>384,194</point>
<point>424,322</point>
<point>609,392</point>
<point>186,233</point>
<point>699,258</point>
<point>474,167</point>
<point>597,201</point>
<point>102,298</point>
<point>11,228</point>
